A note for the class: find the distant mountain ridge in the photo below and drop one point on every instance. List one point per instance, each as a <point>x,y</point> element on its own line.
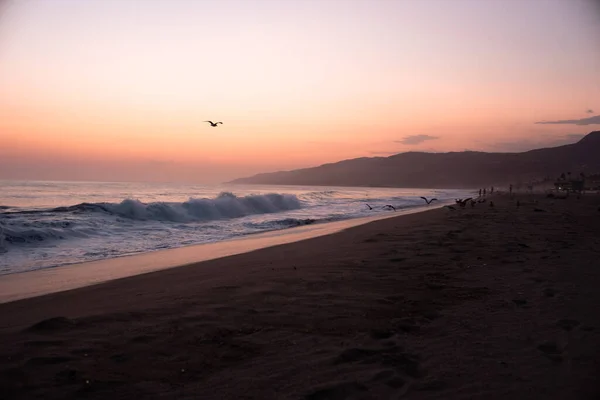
<point>468,169</point>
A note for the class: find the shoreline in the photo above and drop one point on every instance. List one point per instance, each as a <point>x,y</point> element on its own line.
<point>23,285</point>
<point>480,303</point>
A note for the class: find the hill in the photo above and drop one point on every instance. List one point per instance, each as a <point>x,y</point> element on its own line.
<point>445,170</point>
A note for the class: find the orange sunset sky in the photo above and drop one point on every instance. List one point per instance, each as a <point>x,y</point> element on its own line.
<point>118,90</point>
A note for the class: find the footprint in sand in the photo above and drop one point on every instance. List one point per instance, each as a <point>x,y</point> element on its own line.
<point>66,376</point>
<point>520,302</point>
<point>568,324</point>
<point>396,382</point>
<point>383,375</point>
<point>381,334</point>
<point>431,385</point>
<point>407,325</point>
<point>551,350</point>
<point>52,325</point>
<point>339,391</point>
<point>392,356</point>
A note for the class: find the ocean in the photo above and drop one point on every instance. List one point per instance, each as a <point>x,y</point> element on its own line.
<point>48,224</point>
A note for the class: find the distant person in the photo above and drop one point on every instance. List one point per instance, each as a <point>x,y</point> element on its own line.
<point>484,191</point>
<point>479,192</point>
<point>492,190</point>
<point>510,189</point>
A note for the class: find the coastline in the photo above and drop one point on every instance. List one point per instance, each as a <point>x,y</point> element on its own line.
<point>28,284</point>
<point>485,303</point>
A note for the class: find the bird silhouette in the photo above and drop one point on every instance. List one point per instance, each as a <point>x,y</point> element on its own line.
<point>389,206</point>
<point>214,124</point>
<point>428,201</point>
<point>370,208</point>
<point>462,202</point>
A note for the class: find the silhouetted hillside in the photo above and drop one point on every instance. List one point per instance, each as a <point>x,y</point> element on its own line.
<point>445,170</point>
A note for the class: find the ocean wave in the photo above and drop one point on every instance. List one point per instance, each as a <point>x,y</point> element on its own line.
<point>225,206</point>
<point>25,232</point>
<point>78,221</point>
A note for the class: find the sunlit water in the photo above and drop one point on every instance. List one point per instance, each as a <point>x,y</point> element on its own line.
<point>46,224</point>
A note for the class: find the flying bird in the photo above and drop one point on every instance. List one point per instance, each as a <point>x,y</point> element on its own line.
<point>389,206</point>
<point>214,124</point>
<point>590,111</point>
<point>370,208</point>
<point>428,201</point>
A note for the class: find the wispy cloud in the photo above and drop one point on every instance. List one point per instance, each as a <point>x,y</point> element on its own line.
<point>590,111</point>
<point>525,144</point>
<point>583,121</point>
<point>416,139</point>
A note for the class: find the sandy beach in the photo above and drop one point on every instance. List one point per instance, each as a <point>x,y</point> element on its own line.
<point>478,303</point>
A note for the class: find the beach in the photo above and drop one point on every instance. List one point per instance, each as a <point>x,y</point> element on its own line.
<point>485,302</point>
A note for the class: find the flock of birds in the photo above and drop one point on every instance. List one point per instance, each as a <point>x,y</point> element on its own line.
<point>391,207</point>
<point>462,203</point>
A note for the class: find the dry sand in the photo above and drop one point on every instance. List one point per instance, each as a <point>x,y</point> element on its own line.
<point>482,303</point>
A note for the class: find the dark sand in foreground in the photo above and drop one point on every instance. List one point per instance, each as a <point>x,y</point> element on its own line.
<point>483,303</point>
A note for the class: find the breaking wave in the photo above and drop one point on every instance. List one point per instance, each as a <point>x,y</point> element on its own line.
<point>69,224</point>
<point>226,205</point>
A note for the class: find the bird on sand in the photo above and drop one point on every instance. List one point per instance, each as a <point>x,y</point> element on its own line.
<point>462,203</point>
<point>214,124</point>
<point>370,208</point>
<point>388,206</point>
<point>428,201</point>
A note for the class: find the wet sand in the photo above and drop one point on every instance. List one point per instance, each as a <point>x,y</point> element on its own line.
<point>477,303</point>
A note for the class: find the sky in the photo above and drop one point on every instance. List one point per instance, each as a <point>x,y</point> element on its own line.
<point>117,90</point>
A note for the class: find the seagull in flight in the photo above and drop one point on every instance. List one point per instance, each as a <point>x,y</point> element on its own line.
<point>428,201</point>
<point>370,208</point>
<point>388,206</point>
<point>214,124</point>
